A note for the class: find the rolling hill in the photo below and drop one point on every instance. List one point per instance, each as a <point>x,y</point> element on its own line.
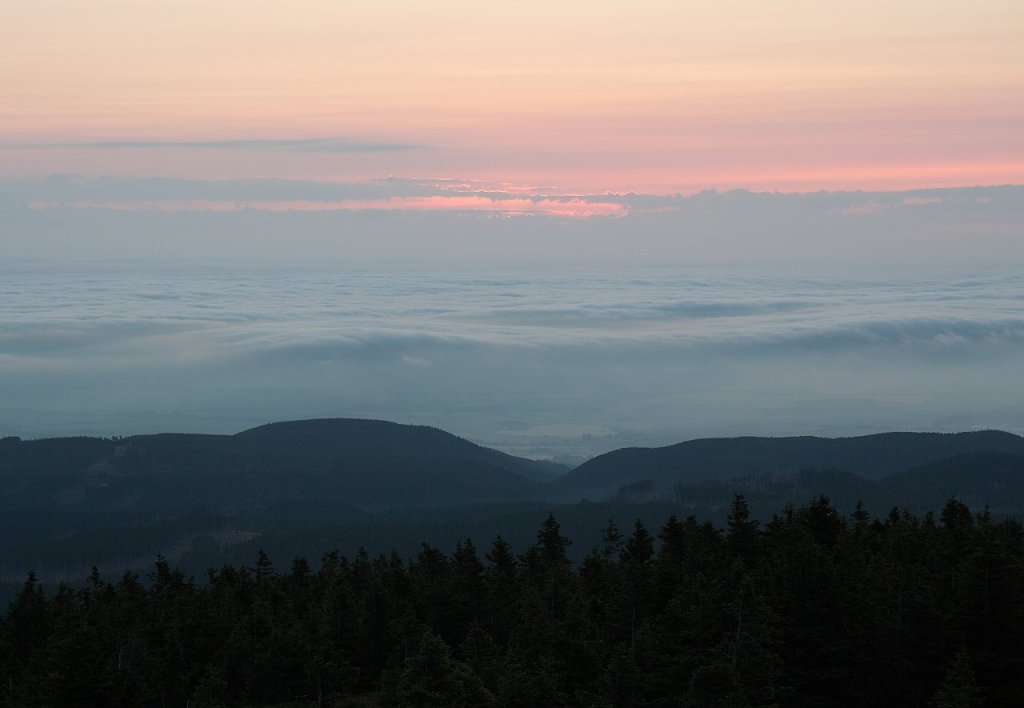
<point>362,463</point>
<point>305,487</point>
<point>871,457</point>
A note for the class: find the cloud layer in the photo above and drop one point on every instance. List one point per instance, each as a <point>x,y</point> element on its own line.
<point>444,221</point>
<point>324,145</point>
<point>508,356</point>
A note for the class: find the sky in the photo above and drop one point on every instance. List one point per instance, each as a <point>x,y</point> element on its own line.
<point>555,227</point>
<point>655,97</point>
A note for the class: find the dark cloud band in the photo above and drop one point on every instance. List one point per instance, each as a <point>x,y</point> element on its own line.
<point>299,145</point>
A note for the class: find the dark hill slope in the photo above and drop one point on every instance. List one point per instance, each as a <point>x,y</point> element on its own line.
<point>869,456</point>
<point>995,480</point>
<point>69,503</point>
<point>334,438</point>
<point>368,464</point>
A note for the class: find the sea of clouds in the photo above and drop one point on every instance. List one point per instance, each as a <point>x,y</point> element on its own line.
<point>143,305</point>
<point>544,360</point>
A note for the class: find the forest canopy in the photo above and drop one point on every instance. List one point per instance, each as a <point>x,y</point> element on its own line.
<point>811,608</point>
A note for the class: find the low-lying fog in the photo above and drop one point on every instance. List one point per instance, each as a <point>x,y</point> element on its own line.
<point>563,362</point>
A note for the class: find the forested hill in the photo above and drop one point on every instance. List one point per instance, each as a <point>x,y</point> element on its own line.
<point>376,465</point>
<point>300,488</point>
<point>333,438</point>
<point>364,463</point>
<point>871,457</point>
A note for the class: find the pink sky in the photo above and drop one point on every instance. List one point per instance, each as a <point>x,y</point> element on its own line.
<point>595,96</point>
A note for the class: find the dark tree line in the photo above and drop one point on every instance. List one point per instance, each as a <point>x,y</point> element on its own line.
<point>809,609</point>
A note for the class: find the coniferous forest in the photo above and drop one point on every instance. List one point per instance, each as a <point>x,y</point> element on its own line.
<point>811,608</point>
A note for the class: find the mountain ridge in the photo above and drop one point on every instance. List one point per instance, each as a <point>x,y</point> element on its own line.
<point>372,464</point>
<point>872,457</point>
<point>303,487</point>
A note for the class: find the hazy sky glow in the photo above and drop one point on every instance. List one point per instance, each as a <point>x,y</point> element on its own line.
<point>593,96</point>
<point>556,227</point>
